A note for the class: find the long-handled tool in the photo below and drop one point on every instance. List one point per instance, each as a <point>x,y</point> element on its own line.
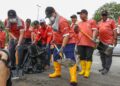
<point>64,61</point>
<point>76,27</point>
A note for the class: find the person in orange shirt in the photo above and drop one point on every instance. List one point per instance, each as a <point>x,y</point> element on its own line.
<point>87,35</point>
<point>65,43</point>
<point>2,37</point>
<point>45,36</point>
<point>107,36</point>
<point>28,31</point>
<point>15,27</point>
<point>73,27</point>
<point>35,32</point>
<point>74,21</point>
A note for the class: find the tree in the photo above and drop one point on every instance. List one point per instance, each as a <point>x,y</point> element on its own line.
<point>113,9</point>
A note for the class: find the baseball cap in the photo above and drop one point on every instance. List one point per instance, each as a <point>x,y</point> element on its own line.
<point>12,14</point>
<point>73,16</point>
<point>36,22</point>
<point>42,20</point>
<point>28,20</point>
<point>49,11</point>
<point>83,11</point>
<point>104,13</point>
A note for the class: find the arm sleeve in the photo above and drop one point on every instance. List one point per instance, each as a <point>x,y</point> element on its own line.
<point>64,28</point>
<point>49,35</point>
<point>113,25</point>
<point>93,25</point>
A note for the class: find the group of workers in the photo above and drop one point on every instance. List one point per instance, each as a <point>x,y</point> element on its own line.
<point>70,42</point>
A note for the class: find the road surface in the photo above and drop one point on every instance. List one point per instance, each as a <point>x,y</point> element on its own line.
<point>96,79</point>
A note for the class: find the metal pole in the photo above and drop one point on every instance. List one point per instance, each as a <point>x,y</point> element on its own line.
<point>38,9</point>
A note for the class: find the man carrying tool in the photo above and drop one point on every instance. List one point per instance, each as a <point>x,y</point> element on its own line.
<point>107,36</point>
<point>15,27</point>
<point>63,42</point>
<point>73,26</point>
<point>87,36</point>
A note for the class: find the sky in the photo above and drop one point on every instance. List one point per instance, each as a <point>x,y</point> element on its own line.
<point>28,8</point>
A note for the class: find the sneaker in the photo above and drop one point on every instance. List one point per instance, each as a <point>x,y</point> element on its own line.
<point>15,75</point>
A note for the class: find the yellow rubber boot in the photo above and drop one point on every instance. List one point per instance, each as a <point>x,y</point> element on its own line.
<point>73,75</point>
<point>57,72</point>
<point>88,68</point>
<point>83,66</point>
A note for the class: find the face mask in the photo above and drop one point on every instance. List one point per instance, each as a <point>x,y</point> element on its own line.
<point>52,19</point>
<point>13,20</point>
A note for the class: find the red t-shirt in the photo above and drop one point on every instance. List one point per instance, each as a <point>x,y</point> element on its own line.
<point>2,39</point>
<point>14,29</point>
<point>86,27</point>
<point>75,35</point>
<point>35,33</point>
<point>106,34</point>
<point>45,35</point>
<point>27,33</point>
<point>64,29</point>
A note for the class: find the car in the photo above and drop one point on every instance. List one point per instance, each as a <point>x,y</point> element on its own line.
<point>116,50</point>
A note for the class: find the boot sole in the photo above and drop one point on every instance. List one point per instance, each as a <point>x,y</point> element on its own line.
<point>55,77</point>
<point>73,84</point>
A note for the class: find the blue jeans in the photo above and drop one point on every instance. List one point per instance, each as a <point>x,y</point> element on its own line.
<point>68,51</point>
<point>12,50</point>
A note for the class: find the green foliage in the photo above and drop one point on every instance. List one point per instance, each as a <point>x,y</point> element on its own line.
<point>113,8</point>
<point>2,25</point>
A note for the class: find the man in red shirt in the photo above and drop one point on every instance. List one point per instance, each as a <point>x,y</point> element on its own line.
<point>45,36</point>
<point>15,27</point>
<point>74,20</point>
<point>45,33</point>
<point>107,36</point>
<point>73,26</point>
<point>62,38</point>
<point>35,33</point>
<point>87,35</point>
<point>28,31</point>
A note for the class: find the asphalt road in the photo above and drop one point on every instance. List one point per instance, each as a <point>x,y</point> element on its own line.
<point>96,79</point>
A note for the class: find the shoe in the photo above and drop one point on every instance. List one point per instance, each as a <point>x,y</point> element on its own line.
<point>104,72</point>
<point>100,70</point>
<point>57,72</point>
<point>15,75</point>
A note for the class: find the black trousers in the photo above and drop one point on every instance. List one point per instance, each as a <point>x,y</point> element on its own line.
<point>85,52</point>
<point>106,60</point>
